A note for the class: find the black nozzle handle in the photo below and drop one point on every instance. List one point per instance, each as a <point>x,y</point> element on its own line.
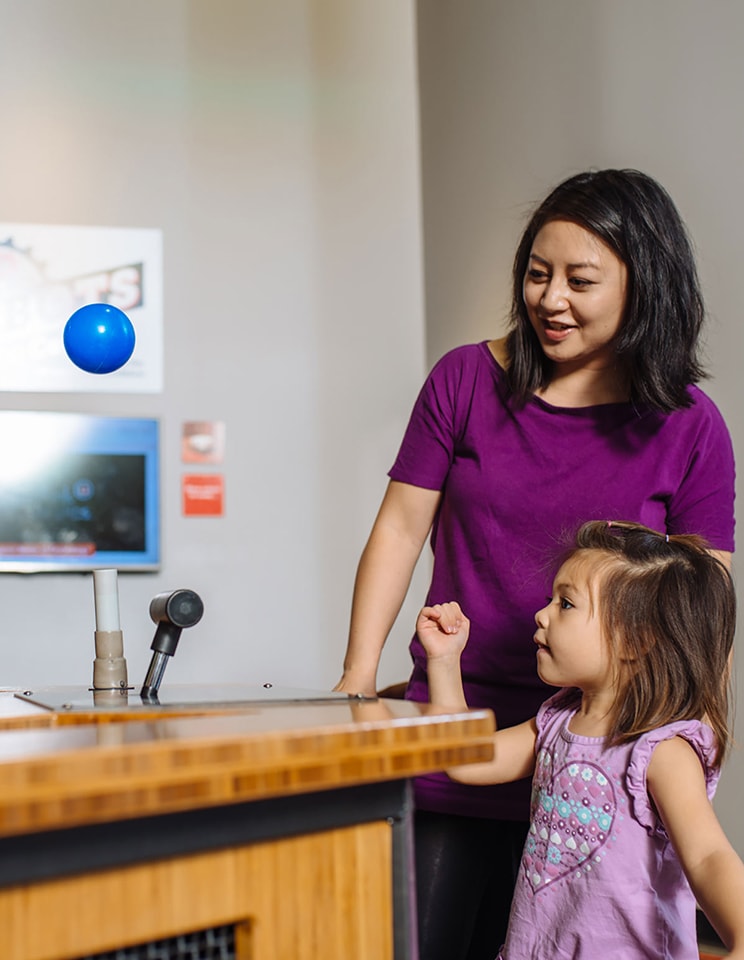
<point>172,611</point>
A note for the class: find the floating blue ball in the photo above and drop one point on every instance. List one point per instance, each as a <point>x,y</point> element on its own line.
<point>99,338</point>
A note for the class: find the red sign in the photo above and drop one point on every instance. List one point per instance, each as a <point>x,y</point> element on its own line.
<point>203,494</point>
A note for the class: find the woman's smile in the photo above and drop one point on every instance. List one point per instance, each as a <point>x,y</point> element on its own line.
<point>557,332</point>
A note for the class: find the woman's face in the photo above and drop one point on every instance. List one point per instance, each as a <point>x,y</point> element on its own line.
<point>575,293</point>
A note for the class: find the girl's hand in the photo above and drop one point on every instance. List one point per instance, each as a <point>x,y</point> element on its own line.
<point>443,630</point>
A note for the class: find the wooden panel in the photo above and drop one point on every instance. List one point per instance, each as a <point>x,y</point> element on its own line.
<point>327,894</point>
<point>324,895</point>
<point>59,778</point>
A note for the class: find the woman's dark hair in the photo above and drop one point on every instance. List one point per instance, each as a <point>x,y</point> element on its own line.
<point>664,311</point>
<point>667,607</point>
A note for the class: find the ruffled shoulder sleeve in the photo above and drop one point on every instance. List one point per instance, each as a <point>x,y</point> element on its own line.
<point>701,739</point>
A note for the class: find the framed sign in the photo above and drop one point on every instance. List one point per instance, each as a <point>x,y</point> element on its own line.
<point>46,273</point>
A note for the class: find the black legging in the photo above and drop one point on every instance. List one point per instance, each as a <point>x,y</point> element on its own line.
<point>465,873</point>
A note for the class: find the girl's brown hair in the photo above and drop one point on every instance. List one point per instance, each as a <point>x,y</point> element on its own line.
<point>668,611</point>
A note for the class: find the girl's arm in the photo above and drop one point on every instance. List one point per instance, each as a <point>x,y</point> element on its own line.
<point>676,784</point>
<point>443,631</point>
<point>383,576</point>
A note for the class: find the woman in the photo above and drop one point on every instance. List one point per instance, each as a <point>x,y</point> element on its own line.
<point>588,408</point>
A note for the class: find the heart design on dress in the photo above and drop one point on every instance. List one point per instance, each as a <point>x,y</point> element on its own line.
<point>573,812</point>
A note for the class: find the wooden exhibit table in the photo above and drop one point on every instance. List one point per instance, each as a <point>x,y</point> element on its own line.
<point>259,832</point>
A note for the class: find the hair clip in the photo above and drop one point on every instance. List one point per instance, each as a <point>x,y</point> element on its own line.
<point>667,538</point>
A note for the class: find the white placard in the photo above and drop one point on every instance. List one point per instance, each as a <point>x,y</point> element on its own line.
<point>46,273</point>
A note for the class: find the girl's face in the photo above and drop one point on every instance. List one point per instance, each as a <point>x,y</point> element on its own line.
<point>575,293</point>
<point>571,648</point>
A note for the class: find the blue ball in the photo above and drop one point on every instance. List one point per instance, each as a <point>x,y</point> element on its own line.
<point>99,338</point>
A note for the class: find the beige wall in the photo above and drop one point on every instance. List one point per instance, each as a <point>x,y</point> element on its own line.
<point>518,94</point>
<point>276,146</point>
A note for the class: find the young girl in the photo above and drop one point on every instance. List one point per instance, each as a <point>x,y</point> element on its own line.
<point>625,757</point>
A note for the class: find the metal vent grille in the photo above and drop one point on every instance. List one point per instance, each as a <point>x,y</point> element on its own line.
<point>217,943</point>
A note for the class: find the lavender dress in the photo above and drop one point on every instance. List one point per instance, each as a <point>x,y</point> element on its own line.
<point>599,876</point>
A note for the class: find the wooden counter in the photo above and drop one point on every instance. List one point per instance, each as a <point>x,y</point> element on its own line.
<point>285,830</point>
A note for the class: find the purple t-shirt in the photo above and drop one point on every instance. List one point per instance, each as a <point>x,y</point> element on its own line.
<point>599,876</point>
<point>516,484</point>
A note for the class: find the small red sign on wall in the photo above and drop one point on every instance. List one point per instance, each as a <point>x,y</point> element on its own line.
<point>203,494</point>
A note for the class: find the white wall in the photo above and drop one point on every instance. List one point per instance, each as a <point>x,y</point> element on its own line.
<point>275,143</point>
<point>517,95</point>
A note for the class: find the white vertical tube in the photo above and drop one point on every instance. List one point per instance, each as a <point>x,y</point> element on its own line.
<point>109,667</point>
<point>106,595</point>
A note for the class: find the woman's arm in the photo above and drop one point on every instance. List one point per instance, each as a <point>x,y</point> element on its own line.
<point>676,784</point>
<point>383,577</point>
<point>443,631</point>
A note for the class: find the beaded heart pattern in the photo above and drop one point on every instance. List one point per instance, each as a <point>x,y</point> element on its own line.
<point>573,812</point>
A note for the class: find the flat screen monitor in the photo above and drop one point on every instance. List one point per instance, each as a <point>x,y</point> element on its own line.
<point>78,492</point>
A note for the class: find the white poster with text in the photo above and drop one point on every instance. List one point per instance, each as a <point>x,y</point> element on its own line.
<point>48,272</point>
